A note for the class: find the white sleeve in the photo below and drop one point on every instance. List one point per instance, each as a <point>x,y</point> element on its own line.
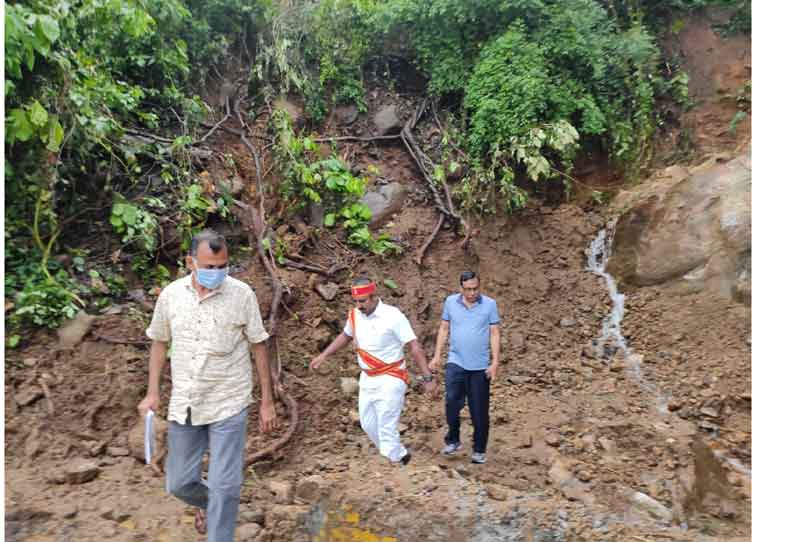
<point>402,328</point>
<point>348,326</point>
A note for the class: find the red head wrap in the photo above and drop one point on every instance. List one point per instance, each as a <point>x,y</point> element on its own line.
<point>362,291</point>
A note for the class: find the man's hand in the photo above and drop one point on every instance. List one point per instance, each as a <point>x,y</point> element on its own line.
<point>150,402</point>
<point>435,364</point>
<point>316,362</point>
<point>267,417</point>
<point>491,372</point>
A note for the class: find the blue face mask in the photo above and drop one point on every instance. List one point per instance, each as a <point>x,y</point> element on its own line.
<point>211,278</point>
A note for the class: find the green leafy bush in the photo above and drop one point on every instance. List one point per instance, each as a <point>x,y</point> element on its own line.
<point>307,178</point>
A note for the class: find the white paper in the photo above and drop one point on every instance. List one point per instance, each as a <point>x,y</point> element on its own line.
<point>148,437</point>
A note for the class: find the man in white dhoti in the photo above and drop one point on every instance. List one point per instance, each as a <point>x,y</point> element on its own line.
<point>379,333</point>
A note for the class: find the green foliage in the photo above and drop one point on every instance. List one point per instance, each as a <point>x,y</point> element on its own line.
<point>307,178</point>
<point>135,224</point>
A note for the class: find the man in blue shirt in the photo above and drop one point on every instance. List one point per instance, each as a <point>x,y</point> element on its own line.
<point>471,322</point>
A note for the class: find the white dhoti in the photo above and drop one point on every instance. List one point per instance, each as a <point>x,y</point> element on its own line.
<point>380,403</point>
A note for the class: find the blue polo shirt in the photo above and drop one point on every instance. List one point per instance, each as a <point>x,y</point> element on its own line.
<point>469,331</point>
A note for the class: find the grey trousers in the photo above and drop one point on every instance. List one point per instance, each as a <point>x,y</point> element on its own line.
<point>220,494</point>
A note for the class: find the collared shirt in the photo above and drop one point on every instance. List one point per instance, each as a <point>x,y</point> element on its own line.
<point>383,334</point>
<point>470,330</point>
<point>210,358</point>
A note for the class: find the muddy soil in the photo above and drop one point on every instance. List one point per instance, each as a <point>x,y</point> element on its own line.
<point>579,449</point>
<point>571,436</point>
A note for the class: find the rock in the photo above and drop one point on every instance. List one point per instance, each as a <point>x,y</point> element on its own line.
<point>117,451</point>
<point>352,414</point>
<point>651,506</point>
<point>282,490</point>
<point>328,290</point>
<point>248,531</point>
<point>571,488</point>
<point>567,322</point>
<point>402,428</point>
<point>496,493</point>
<point>711,412</point>
<point>33,444</point>
<point>349,385</point>
<point>66,510</point>
<point>252,516</point>
<point>692,228</point>
<point>674,404</point>
<point>28,395</point>
<point>106,512</point>
<point>311,488</point>
<point>30,362</point>
<point>584,475</point>
<point>80,471</point>
<point>607,444</point>
<point>72,332</point>
<point>295,113</point>
<point>553,439</point>
<point>291,513</point>
<point>515,379</point>
<point>346,114</point>
<point>526,441</point>
<point>387,121</point>
<point>384,201</point>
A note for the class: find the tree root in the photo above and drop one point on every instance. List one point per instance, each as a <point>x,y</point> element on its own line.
<point>113,340</point>
<point>421,253</point>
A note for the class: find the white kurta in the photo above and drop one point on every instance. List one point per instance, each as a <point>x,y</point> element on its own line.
<point>380,398</point>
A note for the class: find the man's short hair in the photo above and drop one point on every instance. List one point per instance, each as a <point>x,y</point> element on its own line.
<point>215,240</point>
<point>468,275</point>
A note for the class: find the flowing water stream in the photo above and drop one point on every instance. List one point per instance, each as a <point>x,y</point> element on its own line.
<point>611,341</point>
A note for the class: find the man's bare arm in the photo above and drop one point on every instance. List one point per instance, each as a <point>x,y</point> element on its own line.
<point>340,342</point>
<point>267,409</point>
<point>157,357</point>
<point>441,340</point>
<point>495,338</point>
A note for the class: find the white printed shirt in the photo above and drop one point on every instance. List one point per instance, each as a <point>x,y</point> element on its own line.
<point>383,334</point>
<point>210,357</point>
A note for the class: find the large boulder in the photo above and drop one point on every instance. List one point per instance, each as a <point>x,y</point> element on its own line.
<point>387,121</point>
<point>384,201</point>
<point>688,227</point>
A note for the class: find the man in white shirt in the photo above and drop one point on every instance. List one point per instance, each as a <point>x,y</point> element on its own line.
<point>379,333</point>
<point>212,322</point>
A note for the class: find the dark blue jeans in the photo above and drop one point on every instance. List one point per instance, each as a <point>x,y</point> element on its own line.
<point>474,387</point>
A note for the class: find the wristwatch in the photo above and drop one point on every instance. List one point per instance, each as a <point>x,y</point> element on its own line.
<point>426,378</point>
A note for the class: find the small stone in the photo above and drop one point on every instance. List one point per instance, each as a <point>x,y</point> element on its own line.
<point>327,291</point>
<point>584,475</point>
<point>352,414</point>
<point>553,439</point>
<point>496,493</point>
<point>72,332</point>
<point>67,510</point>
<point>515,379</point>
<point>252,516</point>
<point>674,404</point>
<point>248,531</point>
<point>106,512</point>
<point>607,444</point>
<point>567,322</point>
<point>30,362</point>
<point>28,395</point>
<point>650,505</point>
<point>710,412</point>
<point>402,428</point>
<point>80,471</point>
<point>118,451</point>
<point>283,491</point>
<point>349,385</point>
